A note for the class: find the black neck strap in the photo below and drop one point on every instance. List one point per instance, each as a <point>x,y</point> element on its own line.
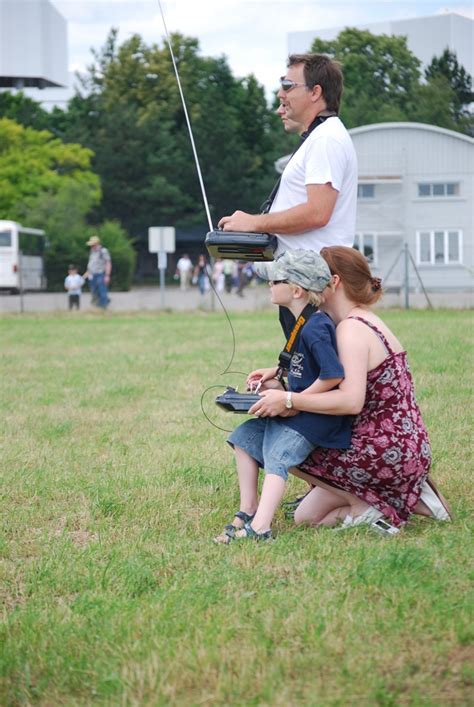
<point>265,207</point>
<point>285,356</point>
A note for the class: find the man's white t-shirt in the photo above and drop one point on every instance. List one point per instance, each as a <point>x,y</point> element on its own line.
<point>327,155</point>
<point>184,264</point>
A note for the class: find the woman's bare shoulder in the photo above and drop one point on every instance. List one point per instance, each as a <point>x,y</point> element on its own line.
<point>350,329</point>
<point>377,322</point>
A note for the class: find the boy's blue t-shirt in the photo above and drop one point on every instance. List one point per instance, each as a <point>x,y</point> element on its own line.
<point>316,357</point>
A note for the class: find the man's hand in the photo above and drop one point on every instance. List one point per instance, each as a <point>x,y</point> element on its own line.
<point>239,221</point>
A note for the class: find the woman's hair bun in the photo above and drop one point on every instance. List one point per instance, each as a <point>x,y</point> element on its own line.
<point>376,283</point>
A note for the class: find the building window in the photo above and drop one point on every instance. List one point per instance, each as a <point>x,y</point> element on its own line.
<point>366,243</point>
<point>440,189</point>
<point>365,191</point>
<point>439,247</point>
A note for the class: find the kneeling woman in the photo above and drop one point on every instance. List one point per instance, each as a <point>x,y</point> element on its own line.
<point>384,473</point>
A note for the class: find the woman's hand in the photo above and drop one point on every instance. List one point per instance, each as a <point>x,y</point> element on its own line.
<point>262,376</point>
<point>272,404</point>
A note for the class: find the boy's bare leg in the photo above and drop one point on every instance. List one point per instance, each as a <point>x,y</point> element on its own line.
<point>247,471</point>
<point>272,492</point>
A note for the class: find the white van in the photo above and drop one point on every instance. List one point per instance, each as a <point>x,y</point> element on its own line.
<point>21,257</point>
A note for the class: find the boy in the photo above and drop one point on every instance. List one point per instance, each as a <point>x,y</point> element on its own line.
<point>73,284</point>
<point>298,279</point>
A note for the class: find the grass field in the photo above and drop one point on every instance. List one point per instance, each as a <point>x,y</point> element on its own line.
<point>113,484</point>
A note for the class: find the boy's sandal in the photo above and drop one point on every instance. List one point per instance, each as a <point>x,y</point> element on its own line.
<point>245,517</point>
<point>230,529</point>
<point>248,533</point>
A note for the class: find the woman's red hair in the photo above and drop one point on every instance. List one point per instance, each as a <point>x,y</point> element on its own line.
<point>354,271</point>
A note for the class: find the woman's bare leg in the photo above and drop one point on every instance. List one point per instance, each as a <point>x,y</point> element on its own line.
<point>328,507</point>
<point>321,507</point>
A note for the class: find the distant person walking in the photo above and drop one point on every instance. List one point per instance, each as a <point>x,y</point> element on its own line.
<point>73,284</point>
<point>99,269</point>
<point>245,274</point>
<point>184,268</point>
<point>218,276</point>
<point>201,276</point>
<point>228,270</point>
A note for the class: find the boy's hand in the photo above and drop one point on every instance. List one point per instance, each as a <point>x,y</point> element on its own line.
<point>261,376</point>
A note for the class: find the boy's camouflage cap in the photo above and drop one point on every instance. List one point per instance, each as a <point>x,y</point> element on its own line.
<point>301,267</point>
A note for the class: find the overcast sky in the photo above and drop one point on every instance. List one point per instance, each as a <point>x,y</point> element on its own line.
<point>251,33</point>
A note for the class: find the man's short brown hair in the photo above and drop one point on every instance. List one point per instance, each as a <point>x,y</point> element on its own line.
<point>321,70</point>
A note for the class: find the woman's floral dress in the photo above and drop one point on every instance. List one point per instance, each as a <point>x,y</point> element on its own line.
<point>390,455</point>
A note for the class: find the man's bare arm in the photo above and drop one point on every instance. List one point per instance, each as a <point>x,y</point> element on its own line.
<point>314,213</point>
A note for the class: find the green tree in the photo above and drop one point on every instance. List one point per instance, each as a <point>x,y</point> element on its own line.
<point>445,70</point>
<point>430,104</point>
<point>34,164</point>
<point>380,75</point>
<point>48,184</point>
<point>383,82</point>
<point>129,113</point>
<point>23,110</point>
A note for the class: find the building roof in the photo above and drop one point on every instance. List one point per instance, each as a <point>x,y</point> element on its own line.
<point>377,128</point>
<point>426,127</point>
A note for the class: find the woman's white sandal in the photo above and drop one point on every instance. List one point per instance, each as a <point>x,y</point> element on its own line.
<point>369,516</point>
<point>433,502</point>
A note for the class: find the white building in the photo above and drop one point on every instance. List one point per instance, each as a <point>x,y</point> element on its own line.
<point>426,36</point>
<point>33,45</point>
<point>416,186</point>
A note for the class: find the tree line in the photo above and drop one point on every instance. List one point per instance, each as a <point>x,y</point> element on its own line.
<point>118,158</point>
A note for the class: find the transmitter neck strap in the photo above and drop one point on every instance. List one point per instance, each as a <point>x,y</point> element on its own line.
<point>285,356</point>
<point>266,206</point>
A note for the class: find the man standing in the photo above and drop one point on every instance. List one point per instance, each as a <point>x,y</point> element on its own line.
<point>315,204</point>
<point>184,268</point>
<point>99,269</point>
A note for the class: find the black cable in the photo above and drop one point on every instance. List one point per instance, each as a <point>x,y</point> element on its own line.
<point>204,196</point>
<point>226,370</point>
<point>204,413</point>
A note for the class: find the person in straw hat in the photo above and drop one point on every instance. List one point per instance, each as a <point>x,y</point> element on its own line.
<point>99,269</point>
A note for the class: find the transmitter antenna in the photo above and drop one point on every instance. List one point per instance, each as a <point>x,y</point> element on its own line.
<point>188,122</point>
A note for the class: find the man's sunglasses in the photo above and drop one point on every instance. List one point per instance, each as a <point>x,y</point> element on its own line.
<point>277,282</point>
<point>288,85</point>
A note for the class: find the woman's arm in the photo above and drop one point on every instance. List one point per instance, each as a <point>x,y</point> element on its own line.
<point>322,385</point>
<point>348,399</point>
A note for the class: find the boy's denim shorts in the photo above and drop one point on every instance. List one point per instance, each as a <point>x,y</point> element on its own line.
<point>274,446</point>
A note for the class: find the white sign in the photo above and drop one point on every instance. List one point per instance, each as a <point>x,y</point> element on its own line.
<point>162,260</point>
<point>161,239</point>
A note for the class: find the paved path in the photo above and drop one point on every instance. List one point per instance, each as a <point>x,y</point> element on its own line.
<point>151,298</point>
<point>142,298</point>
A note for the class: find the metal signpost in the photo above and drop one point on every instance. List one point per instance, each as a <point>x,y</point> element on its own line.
<point>161,240</point>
